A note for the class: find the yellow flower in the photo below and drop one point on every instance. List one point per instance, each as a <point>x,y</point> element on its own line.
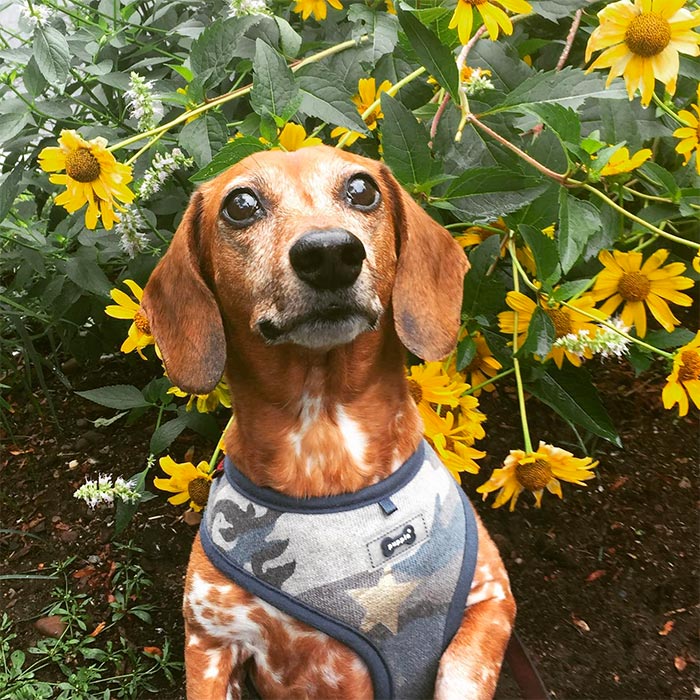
<point>696,262</point>
<point>534,472</point>
<point>690,134</point>
<point>293,137</point>
<point>189,105</point>
<point>139,335</point>
<point>684,380</point>
<point>452,438</point>
<point>429,383</point>
<point>206,403</point>
<point>549,231</point>
<point>565,320</point>
<point>367,95</point>
<point>390,7</point>
<point>642,41</point>
<point>625,279</point>
<point>474,235</point>
<point>620,161</point>
<point>483,365</point>
<point>491,14</point>
<point>318,7</point>
<point>186,481</point>
<point>92,177</point>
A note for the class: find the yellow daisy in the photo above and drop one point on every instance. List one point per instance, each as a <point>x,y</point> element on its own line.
<point>534,472</point>
<point>452,438</point>
<point>690,134</point>
<point>625,279</point>
<point>293,137</point>
<point>367,94</point>
<point>483,366</point>
<point>186,481</point>
<point>206,403</point>
<point>565,320</point>
<point>642,40</point>
<point>684,380</point>
<point>92,177</point>
<point>492,15</point>
<point>474,235</point>
<point>429,383</point>
<point>318,8</point>
<point>621,162</point>
<point>139,335</point>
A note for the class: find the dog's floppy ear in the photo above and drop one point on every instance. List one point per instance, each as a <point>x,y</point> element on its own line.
<point>183,313</point>
<point>427,297</point>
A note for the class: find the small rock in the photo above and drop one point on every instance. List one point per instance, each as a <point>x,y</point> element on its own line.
<point>80,444</point>
<point>192,518</point>
<point>51,626</point>
<point>82,423</point>
<point>67,536</point>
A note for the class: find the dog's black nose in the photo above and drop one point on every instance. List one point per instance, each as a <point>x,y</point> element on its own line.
<point>328,259</point>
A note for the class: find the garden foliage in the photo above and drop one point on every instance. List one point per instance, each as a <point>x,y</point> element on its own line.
<point>573,202</point>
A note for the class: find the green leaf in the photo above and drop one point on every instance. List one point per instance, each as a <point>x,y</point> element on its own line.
<point>578,222</point>
<point>563,121</point>
<point>9,189</point>
<point>665,340</point>
<point>84,269</point>
<point>204,137</point>
<point>571,394</point>
<point>540,335</point>
<point>119,396</point>
<point>570,289</point>
<point>33,79</point>
<point>405,144</point>
<point>556,9</point>
<point>382,29</point>
<point>665,184</point>
<point>466,350</point>
<point>290,41</point>
<point>11,124</point>
<point>436,57</point>
<point>544,250</point>
<point>52,55</point>
<point>569,87</point>
<point>275,92</point>
<point>229,155</point>
<point>124,511</point>
<point>483,293</point>
<point>164,436</point>
<point>322,96</point>
<point>481,192</point>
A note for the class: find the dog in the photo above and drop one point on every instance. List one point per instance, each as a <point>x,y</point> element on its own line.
<point>305,277</point>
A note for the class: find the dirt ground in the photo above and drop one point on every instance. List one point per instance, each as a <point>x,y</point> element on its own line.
<point>606,581</point>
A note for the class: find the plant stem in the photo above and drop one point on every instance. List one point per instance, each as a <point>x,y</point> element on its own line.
<point>217,450</point>
<point>665,108</point>
<point>516,362</point>
<point>569,39</point>
<point>491,380</point>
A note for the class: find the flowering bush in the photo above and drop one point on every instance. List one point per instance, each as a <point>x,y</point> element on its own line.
<point>575,194</point>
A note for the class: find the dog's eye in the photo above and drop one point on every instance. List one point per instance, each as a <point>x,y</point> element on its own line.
<point>242,207</point>
<point>362,193</point>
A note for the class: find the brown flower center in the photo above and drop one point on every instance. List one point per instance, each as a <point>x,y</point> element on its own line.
<point>634,286</point>
<point>82,166</point>
<point>648,34</point>
<point>561,321</point>
<point>141,323</point>
<point>690,366</point>
<point>198,490</point>
<point>474,3</point>
<point>534,475</point>
<point>415,390</point>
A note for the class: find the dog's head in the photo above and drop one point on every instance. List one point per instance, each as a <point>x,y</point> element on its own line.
<point>309,248</point>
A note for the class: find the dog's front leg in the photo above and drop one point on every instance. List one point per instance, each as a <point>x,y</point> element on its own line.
<point>470,666</point>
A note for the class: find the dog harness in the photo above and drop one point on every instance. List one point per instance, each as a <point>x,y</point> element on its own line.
<point>385,570</point>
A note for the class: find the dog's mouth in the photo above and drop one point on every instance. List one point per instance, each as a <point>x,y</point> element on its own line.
<point>334,324</point>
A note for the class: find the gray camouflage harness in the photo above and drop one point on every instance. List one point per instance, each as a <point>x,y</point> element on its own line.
<point>385,570</point>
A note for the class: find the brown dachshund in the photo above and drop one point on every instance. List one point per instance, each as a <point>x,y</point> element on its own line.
<point>304,276</point>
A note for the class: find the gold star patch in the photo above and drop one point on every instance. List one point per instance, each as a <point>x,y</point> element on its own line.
<point>381,603</point>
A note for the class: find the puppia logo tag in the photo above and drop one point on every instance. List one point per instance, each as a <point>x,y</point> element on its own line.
<point>390,544</point>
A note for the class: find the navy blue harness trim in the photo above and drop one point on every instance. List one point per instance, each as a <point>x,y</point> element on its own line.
<point>269,498</point>
<point>378,669</point>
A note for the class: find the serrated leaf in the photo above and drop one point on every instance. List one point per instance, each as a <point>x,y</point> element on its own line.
<point>84,269</point>
<point>435,56</point>
<point>11,124</point>
<point>664,182</point>
<point>563,121</point>
<point>405,144</point>
<point>124,511</point>
<point>578,222</point>
<point>466,350</point>
<point>570,87</point>
<point>229,155</point>
<point>556,9</point>
<point>275,91</point>
<point>571,394</point>
<point>204,137</point>
<point>481,194</point>
<point>290,41</point>
<point>544,250</point>
<point>540,335</point>
<point>9,189</point>
<point>570,289</point>
<point>665,340</point>
<point>166,433</point>
<point>483,293</point>
<point>382,29</point>
<point>119,396</point>
<point>52,55</point>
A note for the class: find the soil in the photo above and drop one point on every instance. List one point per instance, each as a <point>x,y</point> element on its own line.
<point>606,580</point>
